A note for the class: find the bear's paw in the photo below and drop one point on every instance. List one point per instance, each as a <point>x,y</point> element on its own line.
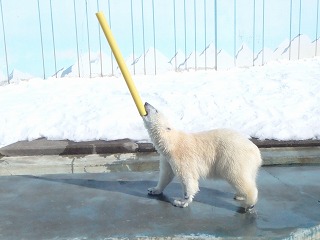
<point>154,191</point>
<point>239,198</point>
<point>181,202</point>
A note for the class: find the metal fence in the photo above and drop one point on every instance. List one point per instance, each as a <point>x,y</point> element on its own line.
<point>63,38</point>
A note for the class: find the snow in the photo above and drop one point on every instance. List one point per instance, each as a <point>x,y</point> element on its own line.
<point>14,77</point>
<point>279,101</point>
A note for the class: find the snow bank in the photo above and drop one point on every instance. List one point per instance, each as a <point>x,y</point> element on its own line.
<point>280,101</point>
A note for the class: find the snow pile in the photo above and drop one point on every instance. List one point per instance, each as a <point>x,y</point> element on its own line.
<point>280,101</point>
<point>14,77</point>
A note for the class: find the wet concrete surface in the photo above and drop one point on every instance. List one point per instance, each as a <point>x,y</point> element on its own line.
<point>116,205</point>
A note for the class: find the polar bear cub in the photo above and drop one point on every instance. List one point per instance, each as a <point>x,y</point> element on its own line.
<point>219,153</point>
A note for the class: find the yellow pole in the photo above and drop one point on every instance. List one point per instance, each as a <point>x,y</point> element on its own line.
<point>123,67</point>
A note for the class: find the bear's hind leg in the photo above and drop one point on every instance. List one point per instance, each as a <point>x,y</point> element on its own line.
<point>251,196</point>
<point>166,176</point>
<point>247,192</point>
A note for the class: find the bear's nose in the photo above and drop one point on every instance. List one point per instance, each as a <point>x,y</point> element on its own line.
<point>145,107</point>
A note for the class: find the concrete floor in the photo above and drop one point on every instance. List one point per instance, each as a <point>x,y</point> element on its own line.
<point>116,205</point>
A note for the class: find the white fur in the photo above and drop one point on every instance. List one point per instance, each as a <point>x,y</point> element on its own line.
<point>220,153</point>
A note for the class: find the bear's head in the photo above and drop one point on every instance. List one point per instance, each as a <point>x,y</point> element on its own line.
<point>154,119</point>
<point>157,125</point>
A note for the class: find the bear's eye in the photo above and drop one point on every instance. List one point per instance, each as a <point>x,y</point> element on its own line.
<point>168,129</point>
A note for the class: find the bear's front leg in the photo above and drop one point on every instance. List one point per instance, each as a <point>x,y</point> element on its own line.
<point>190,188</point>
<point>166,176</point>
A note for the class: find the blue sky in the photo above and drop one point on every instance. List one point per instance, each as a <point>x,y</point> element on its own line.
<point>21,23</point>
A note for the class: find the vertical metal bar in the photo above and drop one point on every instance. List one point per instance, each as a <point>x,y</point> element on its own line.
<point>132,36</point>
<point>290,35</point>
<point>195,34</point>
<point>175,35</point>
<point>5,43</point>
<point>76,28</point>
<point>205,33</point>
<point>53,41</point>
<point>111,54</point>
<point>234,32</point>
<point>99,32</point>
<point>185,35</point>
<point>254,31</point>
<point>317,24</point>
<point>299,30</point>
<point>143,39</point>
<point>88,38</point>
<point>41,41</point>
<point>154,40</point>
<point>216,35</point>
<point>263,16</point>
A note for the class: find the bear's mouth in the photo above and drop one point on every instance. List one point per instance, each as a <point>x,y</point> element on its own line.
<point>145,107</point>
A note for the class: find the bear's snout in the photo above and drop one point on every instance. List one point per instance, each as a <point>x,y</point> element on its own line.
<point>146,107</point>
<point>150,109</point>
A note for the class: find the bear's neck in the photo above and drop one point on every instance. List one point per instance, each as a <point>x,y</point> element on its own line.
<point>162,140</point>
